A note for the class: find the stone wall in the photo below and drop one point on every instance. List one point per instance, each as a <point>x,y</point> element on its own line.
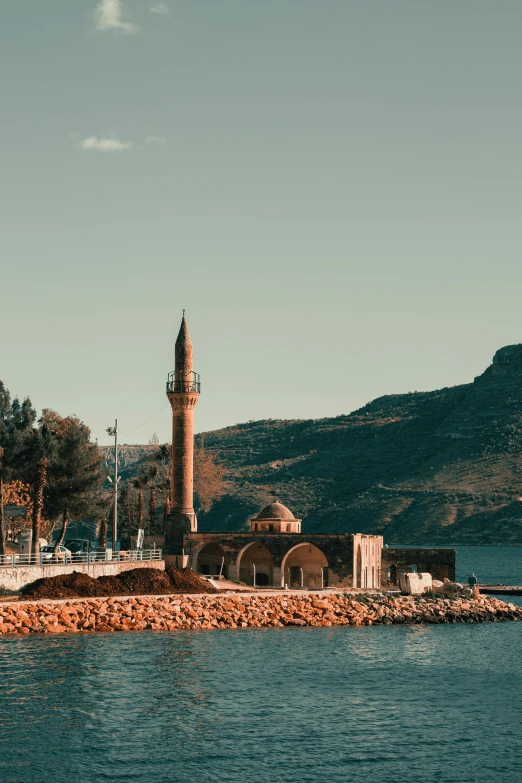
<point>350,560</point>
<point>233,610</point>
<point>439,562</point>
<point>337,548</point>
<point>18,577</point>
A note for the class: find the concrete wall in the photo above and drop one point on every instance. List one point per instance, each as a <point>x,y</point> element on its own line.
<point>16,578</point>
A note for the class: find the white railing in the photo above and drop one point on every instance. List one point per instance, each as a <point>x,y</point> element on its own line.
<point>60,558</point>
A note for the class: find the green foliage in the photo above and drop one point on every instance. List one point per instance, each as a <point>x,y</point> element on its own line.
<point>16,420</point>
<point>16,426</point>
<point>437,467</point>
<point>75,476</point>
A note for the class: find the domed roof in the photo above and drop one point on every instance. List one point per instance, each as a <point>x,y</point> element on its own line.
<point>275,511</point>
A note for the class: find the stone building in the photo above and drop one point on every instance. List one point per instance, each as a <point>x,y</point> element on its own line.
<point>274,552</point>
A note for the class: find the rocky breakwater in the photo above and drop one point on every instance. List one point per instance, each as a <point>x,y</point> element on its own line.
<point>177,612</point>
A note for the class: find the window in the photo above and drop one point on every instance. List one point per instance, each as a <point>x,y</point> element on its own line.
<point>288,528</point>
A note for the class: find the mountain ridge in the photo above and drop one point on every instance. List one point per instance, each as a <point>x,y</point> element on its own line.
<point>439,467</point>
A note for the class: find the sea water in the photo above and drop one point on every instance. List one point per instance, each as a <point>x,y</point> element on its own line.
<point>385,703</point>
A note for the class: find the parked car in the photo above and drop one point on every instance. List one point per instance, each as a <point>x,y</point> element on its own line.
<point>48,555</point>
<point>80,548</point>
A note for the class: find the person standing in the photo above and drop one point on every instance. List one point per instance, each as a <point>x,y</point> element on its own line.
<point>472,582</point>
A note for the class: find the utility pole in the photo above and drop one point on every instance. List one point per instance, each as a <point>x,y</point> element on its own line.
<point>114,431</point>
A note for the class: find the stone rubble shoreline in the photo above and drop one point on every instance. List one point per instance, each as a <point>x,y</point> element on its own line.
<point>240,610</point>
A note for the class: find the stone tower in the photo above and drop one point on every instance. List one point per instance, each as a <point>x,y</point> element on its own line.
<point>183,387</point>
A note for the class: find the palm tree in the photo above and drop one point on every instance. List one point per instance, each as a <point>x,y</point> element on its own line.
<point>38,501</point>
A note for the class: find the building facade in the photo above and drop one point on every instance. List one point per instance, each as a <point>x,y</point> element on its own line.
<point>275,552</point>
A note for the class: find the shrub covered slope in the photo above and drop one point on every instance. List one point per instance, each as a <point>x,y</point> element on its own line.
<point>441,467</point>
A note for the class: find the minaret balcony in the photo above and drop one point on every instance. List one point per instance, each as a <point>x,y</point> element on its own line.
<point>187,384</point>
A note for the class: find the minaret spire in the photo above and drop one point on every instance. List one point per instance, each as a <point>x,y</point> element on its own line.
<point>183,353</point>
<point>183,388</point>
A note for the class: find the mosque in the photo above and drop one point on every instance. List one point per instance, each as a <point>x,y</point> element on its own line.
<point>275,552</point>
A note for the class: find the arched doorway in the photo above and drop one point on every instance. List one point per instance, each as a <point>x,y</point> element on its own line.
<point>211,560</point>
<point>256,565</point>
<point>305,566</point>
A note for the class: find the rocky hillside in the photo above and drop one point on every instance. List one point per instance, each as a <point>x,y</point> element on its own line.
<point>441,467</point>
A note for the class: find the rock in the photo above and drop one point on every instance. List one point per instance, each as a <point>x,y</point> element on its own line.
<point>267,611</point>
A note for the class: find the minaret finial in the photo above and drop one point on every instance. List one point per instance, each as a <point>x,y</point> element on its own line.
<point>183,312</point>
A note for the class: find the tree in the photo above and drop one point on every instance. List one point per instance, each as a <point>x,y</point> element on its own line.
<point>16,424</point>
<point>166,509</point>
<point>209,484</point>
<point>40,449</point>
<point>127,510</point>
<point>74,475</point>
<point>152,509</point>
<point>38,501</point>
<point>102,533</point>
<point>18,493</point>
<point>141,513</point>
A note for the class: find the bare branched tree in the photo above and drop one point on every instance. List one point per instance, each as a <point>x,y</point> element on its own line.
<point>209,475</point>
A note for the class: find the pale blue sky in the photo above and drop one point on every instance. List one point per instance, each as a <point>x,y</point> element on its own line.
<point>331,188</point>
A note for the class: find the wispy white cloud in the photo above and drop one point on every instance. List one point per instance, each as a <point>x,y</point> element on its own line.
<point>104,145</point>
<point>109,16</point>
<point>155,140</point>
<point>160,8</point>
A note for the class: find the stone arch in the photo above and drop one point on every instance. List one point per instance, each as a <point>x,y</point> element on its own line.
<point>211,559</point>
<point>305,565</point>
<point>255,565</point>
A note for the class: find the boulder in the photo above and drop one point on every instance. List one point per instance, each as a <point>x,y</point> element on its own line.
<point>415,584</point>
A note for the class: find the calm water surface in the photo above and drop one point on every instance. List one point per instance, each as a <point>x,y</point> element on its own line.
<point>392,703</point>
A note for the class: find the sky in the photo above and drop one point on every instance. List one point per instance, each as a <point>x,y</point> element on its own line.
<point>330,188</point>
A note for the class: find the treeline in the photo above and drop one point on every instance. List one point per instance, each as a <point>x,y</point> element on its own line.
<point>53,461</point>
<point>51,468</point>
<point>144,499</point>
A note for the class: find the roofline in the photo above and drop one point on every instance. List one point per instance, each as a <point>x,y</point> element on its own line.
<point>275,519</point>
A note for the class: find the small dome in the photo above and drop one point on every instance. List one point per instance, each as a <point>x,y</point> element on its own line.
<point>275,511</point>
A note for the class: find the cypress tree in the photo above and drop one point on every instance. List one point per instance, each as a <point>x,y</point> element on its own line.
<point>102,534</point>
<point>141,513</point>
<point>152,509</point>
<point>166,509</point>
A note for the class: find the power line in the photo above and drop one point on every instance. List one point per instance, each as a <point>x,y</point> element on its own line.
<point>147,391</point>
<point>146,420</point>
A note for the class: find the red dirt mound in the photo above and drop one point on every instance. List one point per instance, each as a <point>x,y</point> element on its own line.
<point>185,580</point>
<point>75,585</point>
<point>137,581</point>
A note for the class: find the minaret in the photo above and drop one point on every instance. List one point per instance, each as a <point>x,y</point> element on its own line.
<point>183,392</point>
